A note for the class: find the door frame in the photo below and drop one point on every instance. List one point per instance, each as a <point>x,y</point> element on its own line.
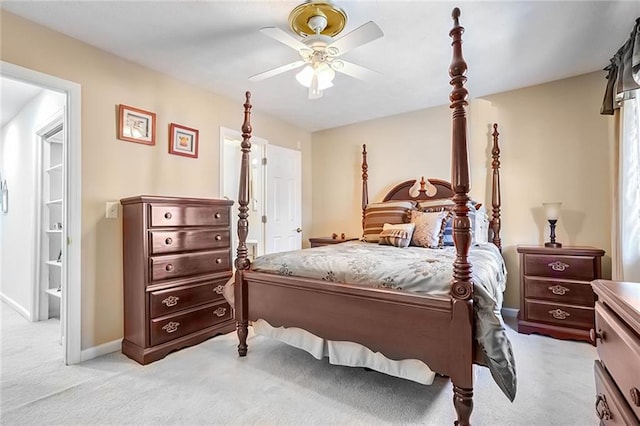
<point>70,308</point>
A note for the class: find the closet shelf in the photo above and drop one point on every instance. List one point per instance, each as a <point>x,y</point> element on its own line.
<point>54,292</point>
<point>54,263</point>
<point>54,202</point>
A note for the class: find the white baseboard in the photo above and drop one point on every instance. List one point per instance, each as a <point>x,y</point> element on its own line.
<point>103,349</point>
<point>15,306</point>
<point>510,312</point>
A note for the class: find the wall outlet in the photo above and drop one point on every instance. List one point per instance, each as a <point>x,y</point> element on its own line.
<point>112,210</point>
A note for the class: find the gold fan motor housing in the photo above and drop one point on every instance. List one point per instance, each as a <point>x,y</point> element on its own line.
<point>299,18</point>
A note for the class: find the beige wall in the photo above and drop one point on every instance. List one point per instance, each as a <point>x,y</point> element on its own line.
<point>555,147</point>
<point>113,169</point>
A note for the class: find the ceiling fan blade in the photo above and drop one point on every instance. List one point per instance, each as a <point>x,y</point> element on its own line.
<point>362,35</point>
<point>276,71</point>
<point>284,38</point>
<point>355,71</point>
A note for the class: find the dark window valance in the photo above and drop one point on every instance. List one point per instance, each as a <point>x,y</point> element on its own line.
<point>623,72</point>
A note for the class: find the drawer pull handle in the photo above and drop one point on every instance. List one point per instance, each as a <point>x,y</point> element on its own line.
<point>596,335</point>
<point>218,237</point>
<point>218,260</point>
<point>171,327</point>
<point>217,215</point>
<point>558,266</point>
<point>171,301</point>
<point>168,241</point>
<point>635,396</point>
<point>167,215</point>
<point>220,312</point>
<point>602,408</point>
<point>169,268</point>
<point>219,289</point>
<point>559,314</point>
<point>559,290</point>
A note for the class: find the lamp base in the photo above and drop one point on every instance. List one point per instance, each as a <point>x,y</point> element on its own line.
<point>553,245</point>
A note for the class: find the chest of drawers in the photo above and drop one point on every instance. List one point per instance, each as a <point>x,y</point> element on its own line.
<point>617,334</point>
<point>177,258</point>
<point>555,291</point>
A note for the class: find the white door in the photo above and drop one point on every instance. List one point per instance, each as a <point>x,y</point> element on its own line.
<point>284,199</point>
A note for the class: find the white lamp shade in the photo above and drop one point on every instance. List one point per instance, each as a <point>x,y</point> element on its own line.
<point>324,73</point>
<point>552,210</point>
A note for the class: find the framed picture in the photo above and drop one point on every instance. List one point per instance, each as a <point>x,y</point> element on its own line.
<point>183,141</point>
<point>136,125</point>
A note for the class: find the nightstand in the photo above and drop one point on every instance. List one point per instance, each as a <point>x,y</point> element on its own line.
<point>556,298</point>
<point>325,241</point>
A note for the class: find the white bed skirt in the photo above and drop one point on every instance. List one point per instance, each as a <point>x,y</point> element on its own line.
<point>346,353</point>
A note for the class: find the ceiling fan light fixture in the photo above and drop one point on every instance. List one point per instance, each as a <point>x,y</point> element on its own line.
<point>324,73</point>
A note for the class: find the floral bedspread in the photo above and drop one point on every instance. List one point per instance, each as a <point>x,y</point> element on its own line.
<point>416,270</point>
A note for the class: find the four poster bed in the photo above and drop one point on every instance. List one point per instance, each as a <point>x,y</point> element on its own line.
<point>402,322</point>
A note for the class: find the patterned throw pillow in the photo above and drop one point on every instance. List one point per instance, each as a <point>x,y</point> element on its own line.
<point>397,235</point>
<point>448,205</point>
<point>429,228</point>
<point>377,214</point>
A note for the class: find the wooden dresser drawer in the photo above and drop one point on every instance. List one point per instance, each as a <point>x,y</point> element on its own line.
<point>559,266</point>
<point>164,302</point>
<point>559,314</point>
<point>572,293</point>
<point>194,239</point>
<point>171,327</point>
<point>619,351</point>
<point>186,215</point>
<point>182,265</point>
<point>610,406</point>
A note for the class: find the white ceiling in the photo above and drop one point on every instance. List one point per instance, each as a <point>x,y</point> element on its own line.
<point>217,45</point>
<point>14,95</point>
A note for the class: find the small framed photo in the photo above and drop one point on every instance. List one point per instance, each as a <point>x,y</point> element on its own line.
<point>183,141</point>
<point>136,125</point>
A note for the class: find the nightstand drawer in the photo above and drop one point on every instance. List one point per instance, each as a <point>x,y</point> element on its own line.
<point>171,327</point>
<point>566,292</point>
<point>185,215</point>
<point>559,314</point>
<point>196,239</point>
<point>559,266</point>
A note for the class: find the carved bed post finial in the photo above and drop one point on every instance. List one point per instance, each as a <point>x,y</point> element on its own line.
<point>423,186</point>
<point>365,178</point>
<point>461,286</point>
<point>495,196</point>
<point>242,262</point>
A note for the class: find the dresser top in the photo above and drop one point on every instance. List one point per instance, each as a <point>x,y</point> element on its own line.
<point>622,297</point>
<point>566,251</point>
<point>174,200</point>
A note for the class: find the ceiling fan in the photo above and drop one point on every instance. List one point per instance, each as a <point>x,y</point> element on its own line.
<point>318,22</point>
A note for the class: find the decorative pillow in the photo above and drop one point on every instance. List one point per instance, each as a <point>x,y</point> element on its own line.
<point>481,230</point>
<point>429,228</point>
<point>397,235</point>
<point>447,236</point>
<point>377,214</point>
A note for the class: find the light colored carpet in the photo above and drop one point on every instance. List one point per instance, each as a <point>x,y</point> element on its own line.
<point>274,385</point>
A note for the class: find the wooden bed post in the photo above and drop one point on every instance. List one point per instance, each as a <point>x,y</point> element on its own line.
<point>242,261</point>
<point>495,188</point>
<point>461,286</point>
<point>365,187</point>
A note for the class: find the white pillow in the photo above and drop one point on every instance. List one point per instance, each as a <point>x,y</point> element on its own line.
<point>481,230</point>
<point>429,228</point>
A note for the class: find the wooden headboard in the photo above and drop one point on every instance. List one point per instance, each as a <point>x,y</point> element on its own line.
<point>438,189</point>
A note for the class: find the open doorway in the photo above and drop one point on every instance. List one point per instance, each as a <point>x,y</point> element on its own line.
<point>40,222</point>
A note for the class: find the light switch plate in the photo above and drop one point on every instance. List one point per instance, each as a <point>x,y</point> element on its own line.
<point>112,210</point>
